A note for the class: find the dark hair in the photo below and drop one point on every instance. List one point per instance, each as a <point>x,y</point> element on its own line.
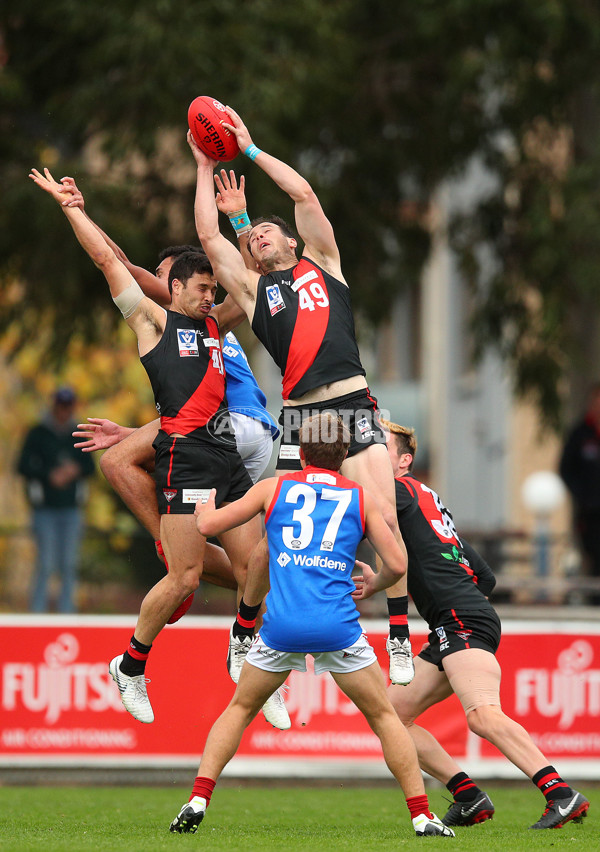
<point>274,220</point>
<point>324,440</point>
<point>187,264</point>
<point>176,251</point>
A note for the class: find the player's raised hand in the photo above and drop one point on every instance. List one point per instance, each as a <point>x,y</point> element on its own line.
<point>199,156</point>
<point>48,184</point>
<point>239,129</point>
<point>231,196</point>
<point>73,195</point>
<point>98,434</point>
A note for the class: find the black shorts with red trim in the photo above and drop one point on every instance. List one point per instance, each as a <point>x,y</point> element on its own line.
<point>458,630</point>
<point>358,411</point>
<point>186,469</point>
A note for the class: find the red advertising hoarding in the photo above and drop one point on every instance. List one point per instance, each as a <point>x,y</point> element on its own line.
<point>60,706</point>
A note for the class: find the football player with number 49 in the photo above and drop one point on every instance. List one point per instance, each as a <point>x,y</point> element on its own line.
<point>300,311</point>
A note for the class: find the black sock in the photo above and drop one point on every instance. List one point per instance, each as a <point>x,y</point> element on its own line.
<point>134,658</point>
<point>398,612</point>
<point>245,622</point>
<point>549,782</point>
<point>462,788</point>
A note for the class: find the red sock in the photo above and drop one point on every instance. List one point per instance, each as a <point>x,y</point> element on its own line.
<point>418,805</point>
<point>203,787</point>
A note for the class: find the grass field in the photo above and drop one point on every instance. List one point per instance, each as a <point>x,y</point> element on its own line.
<point>269,818</point>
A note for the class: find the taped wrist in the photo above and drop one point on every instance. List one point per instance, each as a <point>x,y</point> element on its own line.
<point>129,299</point>
<point>240,222</point>
<point>252,152</point>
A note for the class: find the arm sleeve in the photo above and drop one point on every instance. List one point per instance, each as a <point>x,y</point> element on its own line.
<point>485,576</point>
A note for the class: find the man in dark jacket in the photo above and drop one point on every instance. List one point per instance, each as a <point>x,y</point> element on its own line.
<point>580,470</point>
<point>55,474</point>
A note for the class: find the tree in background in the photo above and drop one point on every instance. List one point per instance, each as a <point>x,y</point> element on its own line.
<point>378,103</point>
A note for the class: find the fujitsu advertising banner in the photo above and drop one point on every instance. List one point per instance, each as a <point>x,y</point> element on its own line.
<point>59,705</point>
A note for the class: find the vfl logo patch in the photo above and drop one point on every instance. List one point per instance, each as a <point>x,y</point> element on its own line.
<point>364,427</point>
<point>169,493</point>
<point>275,299</point>
<point>440,632</point>
<point>188,345</point>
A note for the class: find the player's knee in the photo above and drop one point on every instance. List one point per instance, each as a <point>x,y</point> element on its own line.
<point>406,711</point>
<point>186,580</point>
<point>111,465</point>
<point>407,715</point>
<point>485,720</point>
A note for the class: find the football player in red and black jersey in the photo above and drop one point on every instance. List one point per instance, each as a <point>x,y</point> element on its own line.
<point>195,447</point>
<point>300,310</point>
<point>450,583</point>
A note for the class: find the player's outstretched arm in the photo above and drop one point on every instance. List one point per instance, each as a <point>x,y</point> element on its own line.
<point>211,521</point>
<point>152,286</point>
<point>231,200</point>
<point>99,434</point>
<point>142,315</point>
<point>393,555</point>
<point>313,226</point>
<point>227,263</point>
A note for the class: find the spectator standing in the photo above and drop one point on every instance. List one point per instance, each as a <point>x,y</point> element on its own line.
<point>580,470</point>
<point>55,474</point>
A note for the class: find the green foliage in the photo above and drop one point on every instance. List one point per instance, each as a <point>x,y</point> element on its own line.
<point>376,103</point>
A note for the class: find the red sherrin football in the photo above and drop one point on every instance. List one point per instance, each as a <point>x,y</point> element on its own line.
<point>204,119</point>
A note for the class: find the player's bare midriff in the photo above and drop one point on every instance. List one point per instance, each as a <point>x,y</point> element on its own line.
<point>331,391</point>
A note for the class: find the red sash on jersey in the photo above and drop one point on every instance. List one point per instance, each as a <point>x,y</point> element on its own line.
<point>206,399</point>
<point>311,325</point>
